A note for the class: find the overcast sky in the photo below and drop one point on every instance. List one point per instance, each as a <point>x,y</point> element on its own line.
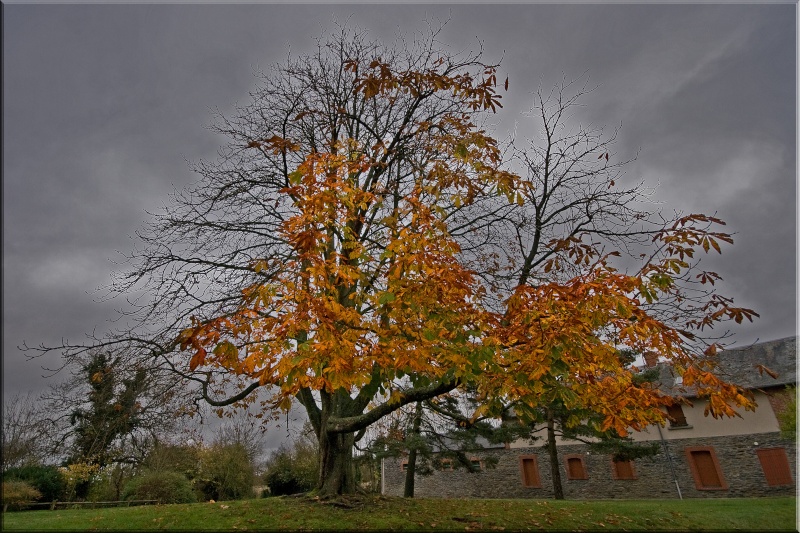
<point>104,104</point>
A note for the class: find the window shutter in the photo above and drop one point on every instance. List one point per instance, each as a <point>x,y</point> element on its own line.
<point>623,470</point>
<point>530,472</point>
<point>678,419</point>
<point>775,466</point>
<point>705,468</point>
<point>576,469</point>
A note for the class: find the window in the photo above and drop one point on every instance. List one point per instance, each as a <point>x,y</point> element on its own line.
<point>576,467</point>
<point>404,465</point>
<point>705,468</point>
<point>622,470</point>
<point>530,471</point>
<point>650,358</point>
<point>676,416</point>
<point>477,464</point>
<point>775,466</point>
<point>446,464</point>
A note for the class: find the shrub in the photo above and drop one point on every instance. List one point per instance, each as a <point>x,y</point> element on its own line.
<point>227,473</point>
<point>107,485</point>
<point>165,486</point>
<point>291,471</point>
<point>78,478</point>
<point>18,493</point>
<point>45,479</point>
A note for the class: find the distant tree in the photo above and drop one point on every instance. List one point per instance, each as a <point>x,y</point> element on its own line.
<point>112,412</point>
<point>27,432</point>
<point>787,417</point>
<point>239,430</point>
<point>113,409</point>
<point>439,433</point>
<point>583,424</point>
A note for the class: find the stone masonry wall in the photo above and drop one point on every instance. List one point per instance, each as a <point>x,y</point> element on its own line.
<point>739,464</point>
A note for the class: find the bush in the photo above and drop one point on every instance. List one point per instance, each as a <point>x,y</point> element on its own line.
<point>45,479</point>
<point>107,485</point>
<point>291,471</point>
<point>227,473</point>
<point>18,493</point>
<point>165,486</point>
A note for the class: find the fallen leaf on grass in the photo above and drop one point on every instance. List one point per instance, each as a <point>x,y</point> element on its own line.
<point>224,506</point>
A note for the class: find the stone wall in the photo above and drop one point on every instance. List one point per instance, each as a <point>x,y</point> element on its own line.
<point>654,476</point>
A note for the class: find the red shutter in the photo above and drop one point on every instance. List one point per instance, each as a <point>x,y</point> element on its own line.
<point>775,466</point>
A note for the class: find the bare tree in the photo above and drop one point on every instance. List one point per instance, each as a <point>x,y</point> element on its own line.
<point>27,432</point>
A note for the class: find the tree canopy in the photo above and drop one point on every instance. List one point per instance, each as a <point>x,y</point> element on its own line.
<point>363,242</point>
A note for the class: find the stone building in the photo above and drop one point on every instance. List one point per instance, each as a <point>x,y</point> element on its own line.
<point>699,456</point>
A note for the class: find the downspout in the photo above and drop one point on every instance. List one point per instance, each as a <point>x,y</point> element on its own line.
<point>383,477</point>
<point>669,459</point>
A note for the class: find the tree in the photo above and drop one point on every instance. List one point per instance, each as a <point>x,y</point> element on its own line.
<point>27,432</point>
<point>349,250</point>
<point>787,417</point>
<point>440,433</point>
<point>114,407</point>
<point>112,412</point>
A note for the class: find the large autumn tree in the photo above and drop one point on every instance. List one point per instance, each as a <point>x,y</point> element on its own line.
<point>363,243</point>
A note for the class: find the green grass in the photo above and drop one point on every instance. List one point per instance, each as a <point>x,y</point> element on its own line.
<point>381,513</point>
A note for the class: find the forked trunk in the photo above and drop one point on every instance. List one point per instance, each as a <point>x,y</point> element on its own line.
<point>336,472</point>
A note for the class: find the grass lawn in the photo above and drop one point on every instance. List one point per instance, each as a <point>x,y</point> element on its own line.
<point>382,513</point>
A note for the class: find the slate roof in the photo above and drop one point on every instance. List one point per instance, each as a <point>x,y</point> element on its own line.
<point>739,366</point>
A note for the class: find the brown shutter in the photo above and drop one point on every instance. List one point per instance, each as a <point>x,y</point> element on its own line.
<point>706,469</point>
<point>623,470</point>
<point>775,466</point>
<point>575,468</point>
<point>675,412</point>
<point>530,472</point>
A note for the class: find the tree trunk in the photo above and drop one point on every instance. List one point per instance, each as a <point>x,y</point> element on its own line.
<point>558,490</point>
<point>336,473</point>
<point>411,469</point>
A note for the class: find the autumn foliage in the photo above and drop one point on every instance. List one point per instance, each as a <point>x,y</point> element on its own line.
<point>373,306</point>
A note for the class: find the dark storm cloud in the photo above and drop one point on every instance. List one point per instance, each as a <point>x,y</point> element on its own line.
<point>102,103</point>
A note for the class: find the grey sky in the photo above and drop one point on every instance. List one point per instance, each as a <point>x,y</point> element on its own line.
<point>103,105</point>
